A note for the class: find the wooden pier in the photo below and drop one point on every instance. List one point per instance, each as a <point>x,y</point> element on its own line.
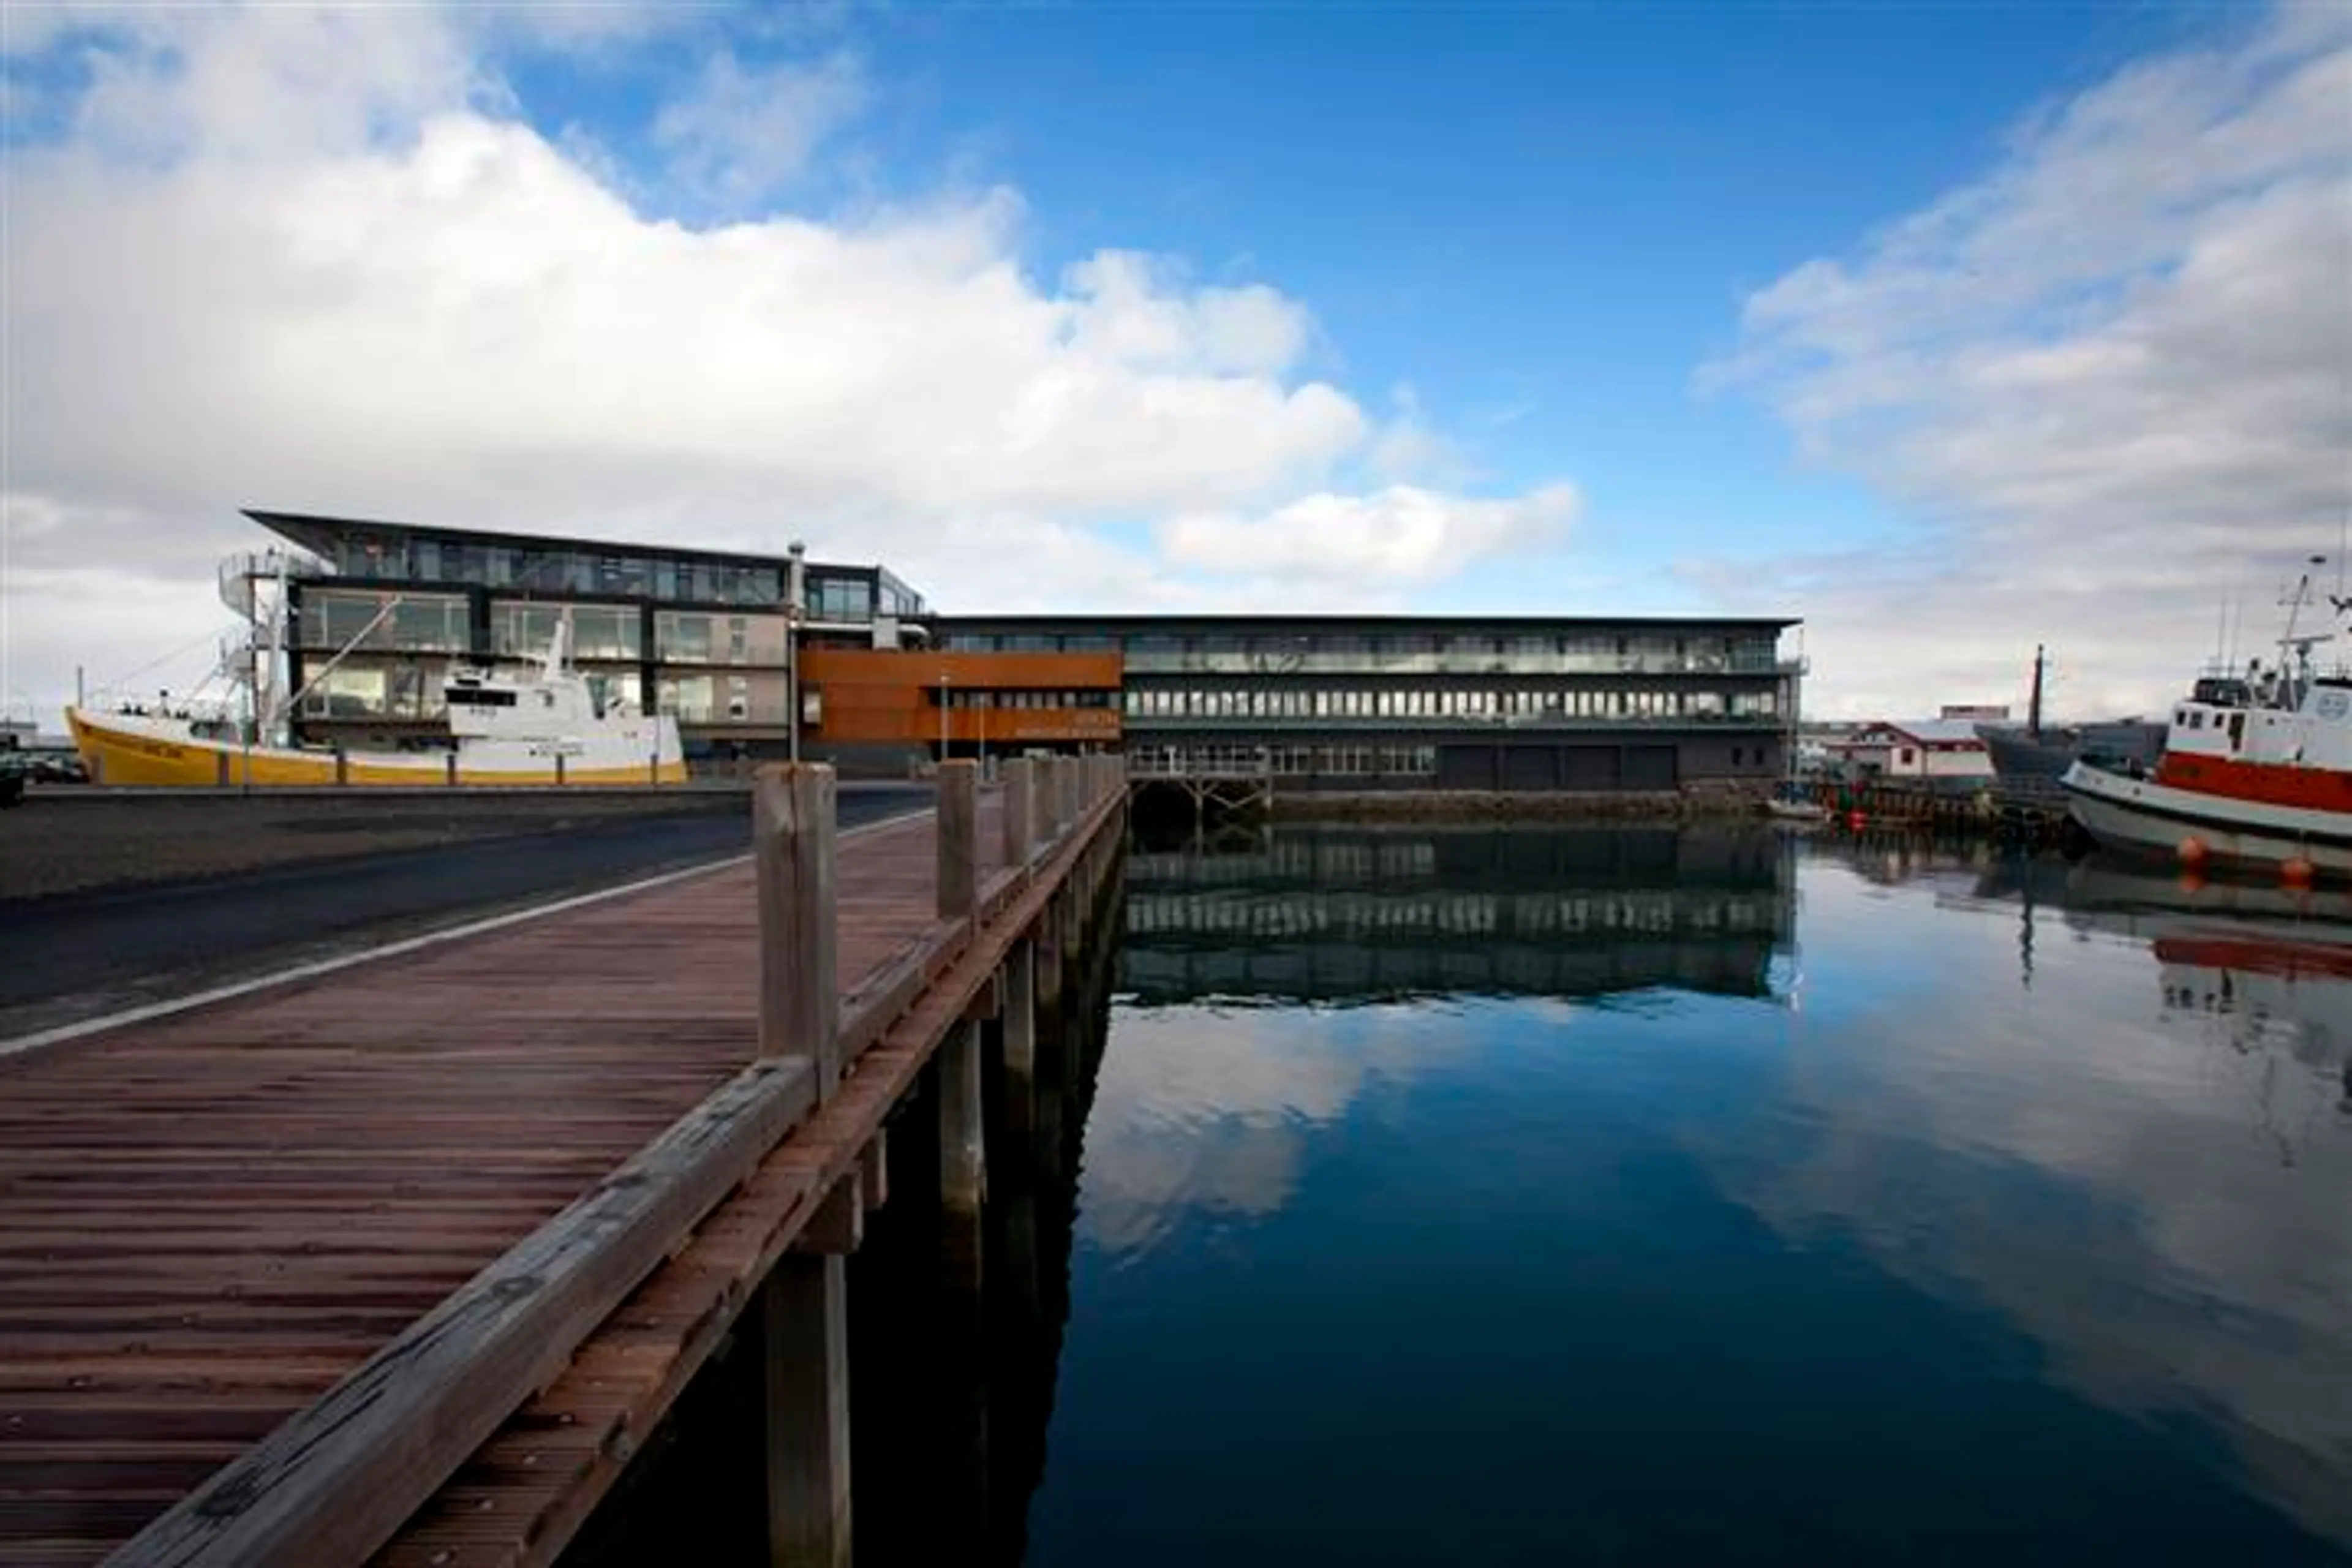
<point>402,1264</point>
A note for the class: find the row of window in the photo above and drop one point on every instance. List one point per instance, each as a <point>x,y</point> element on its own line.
<point>1530,706</point>
<point>1287,760</point>
<point>965,697</point>
<point>1398,652</point>
<point>551,569</point>
<point>598,631</point>
<point>832,594</point>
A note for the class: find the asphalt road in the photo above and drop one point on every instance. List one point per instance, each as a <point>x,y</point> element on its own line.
<point>82,955</point>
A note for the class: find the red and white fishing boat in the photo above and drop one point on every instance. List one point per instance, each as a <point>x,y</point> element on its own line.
<point>2256,770</point>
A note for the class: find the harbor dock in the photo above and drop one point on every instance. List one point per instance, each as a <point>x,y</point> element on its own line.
<point>404,1262</point>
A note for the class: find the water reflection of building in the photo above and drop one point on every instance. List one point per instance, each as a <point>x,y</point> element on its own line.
<point>1335,913</point>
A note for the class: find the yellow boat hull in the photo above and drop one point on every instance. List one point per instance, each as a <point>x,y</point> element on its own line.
<point>122,755</point>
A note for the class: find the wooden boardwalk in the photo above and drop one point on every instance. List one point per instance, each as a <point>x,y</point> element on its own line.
<point>207,1221</point>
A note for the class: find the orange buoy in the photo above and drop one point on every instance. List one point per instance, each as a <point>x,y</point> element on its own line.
<point>2192,851</point>
<point>2296,871</point>
<point>2191,883</point>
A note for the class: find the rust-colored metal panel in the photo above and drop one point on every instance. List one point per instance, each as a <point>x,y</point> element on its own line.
<point>877,696</point>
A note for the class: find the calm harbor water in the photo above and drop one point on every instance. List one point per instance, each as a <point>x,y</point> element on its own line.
<point>1560,1197</point>
<point>1628,1196</point>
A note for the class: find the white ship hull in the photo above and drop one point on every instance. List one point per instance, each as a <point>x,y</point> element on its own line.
<point>2141,814</point>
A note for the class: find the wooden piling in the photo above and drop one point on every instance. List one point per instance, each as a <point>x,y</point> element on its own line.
<point>963,1167</point>
<point>807,1343</point>
<point>963,1176</point>
<point>792,829</point>
<point>1020,838</point>
<point>1021,1014</point>
<point>958,836</point>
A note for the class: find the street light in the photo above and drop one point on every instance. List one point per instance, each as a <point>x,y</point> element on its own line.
<point>795,590</point>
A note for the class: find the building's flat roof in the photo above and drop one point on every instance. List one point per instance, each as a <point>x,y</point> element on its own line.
<point>1327,622</point>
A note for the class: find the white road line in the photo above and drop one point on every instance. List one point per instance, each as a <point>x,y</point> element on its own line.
<point>313,969</point>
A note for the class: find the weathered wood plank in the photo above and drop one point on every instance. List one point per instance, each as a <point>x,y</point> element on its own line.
<point>333,1482</point>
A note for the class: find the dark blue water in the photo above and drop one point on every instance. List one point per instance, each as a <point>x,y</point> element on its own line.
<point>1552,1196</point>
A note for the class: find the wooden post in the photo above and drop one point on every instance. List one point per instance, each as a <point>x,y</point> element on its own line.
<point>959,838</point>
<point>220,770</point>
<point>1017,835</point>
<point>1046,973</point>
<point>1017,1028</point>
<point>963,1168</point>
<point>873,1170</point>
<point>343,767</point>
<point>449,769</point>
<point>792,842</point>
<point>558,768</point>
<point>807,1332</point>
<point>1021,1012</point>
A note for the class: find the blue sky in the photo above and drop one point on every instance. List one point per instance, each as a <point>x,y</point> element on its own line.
<point>1950,329</point>
<point>1536,222</point>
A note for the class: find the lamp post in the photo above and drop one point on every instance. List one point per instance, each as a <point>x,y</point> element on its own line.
<point>795,588</point>
<point>943,715</point>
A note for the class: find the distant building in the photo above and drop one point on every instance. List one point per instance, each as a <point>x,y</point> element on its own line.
<point>1945,748</point>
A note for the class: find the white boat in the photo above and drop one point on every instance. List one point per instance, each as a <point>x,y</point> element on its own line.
<point>2256,770</point>
<point>540,727</point>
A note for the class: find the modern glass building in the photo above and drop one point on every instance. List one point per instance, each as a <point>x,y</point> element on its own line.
<point>698,634</point>
<point>381,612</point>
<point>1364,703</point>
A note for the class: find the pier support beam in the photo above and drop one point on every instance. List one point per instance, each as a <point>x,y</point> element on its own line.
<point>1018,1028</point>
<point>807,1333</point>
<point>963,1163</point>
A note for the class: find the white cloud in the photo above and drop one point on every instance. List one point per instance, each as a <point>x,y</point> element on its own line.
<point>747,131</point>
<point>1400,534</point>
<point>318,259</point>
<point>2108,381</point>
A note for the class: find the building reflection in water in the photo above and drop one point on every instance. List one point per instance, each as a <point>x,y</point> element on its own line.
<point>1348,916</point>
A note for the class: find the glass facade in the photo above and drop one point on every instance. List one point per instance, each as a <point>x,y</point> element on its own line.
<point>692,636</point>
<point>1401,652</point>
<point>400,554</point>
<point>332,619</point>
<point>832,598</point>
<point>598,631</point>
<point>720,697</point>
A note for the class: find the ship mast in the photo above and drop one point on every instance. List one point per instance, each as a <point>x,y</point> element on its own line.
<point>2034,707</point>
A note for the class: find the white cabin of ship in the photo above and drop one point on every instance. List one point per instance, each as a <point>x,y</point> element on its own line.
<point>2314,732</point>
